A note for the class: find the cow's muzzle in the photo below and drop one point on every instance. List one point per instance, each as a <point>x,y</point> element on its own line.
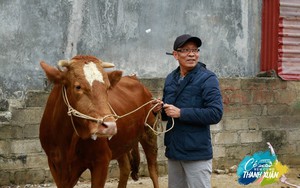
<point>109,129</point>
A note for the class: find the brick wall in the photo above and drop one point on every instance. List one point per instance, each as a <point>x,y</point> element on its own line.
<point>257,110</point>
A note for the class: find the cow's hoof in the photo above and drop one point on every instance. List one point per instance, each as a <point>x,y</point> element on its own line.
<point>134,176</point>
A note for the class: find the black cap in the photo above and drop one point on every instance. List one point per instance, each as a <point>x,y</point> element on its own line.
<point>182,39</point>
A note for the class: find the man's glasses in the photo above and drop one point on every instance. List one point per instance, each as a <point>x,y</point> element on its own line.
<point>186,51</point>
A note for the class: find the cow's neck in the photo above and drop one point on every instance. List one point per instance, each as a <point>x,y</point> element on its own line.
<point>72,148</point>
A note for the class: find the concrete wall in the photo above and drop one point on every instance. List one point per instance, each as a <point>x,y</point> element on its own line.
<point>256,111</point>
<point>114,31</point>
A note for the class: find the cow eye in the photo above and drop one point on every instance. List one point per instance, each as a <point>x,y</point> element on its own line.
<point>78,87</point>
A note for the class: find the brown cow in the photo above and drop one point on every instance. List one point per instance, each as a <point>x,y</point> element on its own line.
<point>85,103</point>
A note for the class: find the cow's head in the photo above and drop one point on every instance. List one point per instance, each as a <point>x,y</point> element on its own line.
<point>86,85</point>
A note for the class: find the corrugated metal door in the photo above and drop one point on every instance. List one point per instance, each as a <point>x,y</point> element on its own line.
<point>289,40</point>
<point>280,47</point>
<point>269,37</point>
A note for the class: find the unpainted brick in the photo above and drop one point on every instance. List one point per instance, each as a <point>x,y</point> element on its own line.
<point>19,177</point>
<point>4,147</point>
<point>253,124</point>
<point>36,98</point>
<point>230,84</point>
<point>10,131</point>
<point>31,131</point>
<point>250,111</point>
<point>288,160</point>
<point>293,135</point>
<point>237,97</point>
<point>238,151</point>
<point>276,84</point>
<point>35,176</point>
<point>297,143</point>
<point>295,108</point>
<point>4,178</point>
<point>277,138</point>
<point>253,84</point>
<point>236,124</point>
<point>269,122</point>
<point>219,151</point>
<point>285,97</point>
<point>291,122</point>
<point>286,148</point>
<point>25,146</point>
<point>225,138</point>
<point>154,84</point>
<point>278,110</point>
<point>262,96</point>
<point>30,115</point>
<point>251,136</point>
<point>37,161</point>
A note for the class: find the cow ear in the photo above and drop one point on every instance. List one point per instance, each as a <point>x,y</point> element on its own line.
<point>53,74</point>
<point>114,77</point>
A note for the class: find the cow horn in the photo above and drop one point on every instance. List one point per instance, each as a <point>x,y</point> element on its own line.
<point>107,65</point>
<point>62,63</point>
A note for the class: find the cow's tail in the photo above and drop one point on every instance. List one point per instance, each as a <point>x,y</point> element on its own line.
<point>135,162</point>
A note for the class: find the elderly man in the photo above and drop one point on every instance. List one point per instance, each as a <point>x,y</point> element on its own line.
<point>192,98</point>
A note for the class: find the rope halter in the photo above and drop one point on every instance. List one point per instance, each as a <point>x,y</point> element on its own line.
<point>73,112</point>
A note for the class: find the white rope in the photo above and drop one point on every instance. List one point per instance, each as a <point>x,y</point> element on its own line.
<point>157,119</point>
<point>74,112</point>
<point>131,111</point>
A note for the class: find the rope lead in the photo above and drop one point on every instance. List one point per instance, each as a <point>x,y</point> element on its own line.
<point>72,111</point>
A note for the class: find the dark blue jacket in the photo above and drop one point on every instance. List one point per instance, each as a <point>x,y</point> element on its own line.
<point>199,98</point>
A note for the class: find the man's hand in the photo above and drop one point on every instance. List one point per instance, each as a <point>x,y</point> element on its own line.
<point>159,105</point>
<point>171,110</point>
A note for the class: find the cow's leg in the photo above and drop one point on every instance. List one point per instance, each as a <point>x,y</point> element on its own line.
<point>129,162</point>
<point>54,172</point>
<point>124,166</point>
<point>134,158</point>
<point>99,172</point>
<point>149,144</point>
<point>74,173</point>
<point>64,175</point>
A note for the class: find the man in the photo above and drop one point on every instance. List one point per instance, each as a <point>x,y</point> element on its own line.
<point>192,98</point>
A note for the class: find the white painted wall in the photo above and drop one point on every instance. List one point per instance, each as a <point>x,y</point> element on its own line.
<point>115,31</point>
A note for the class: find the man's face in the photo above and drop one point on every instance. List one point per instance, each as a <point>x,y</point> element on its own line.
<point>187,55</point>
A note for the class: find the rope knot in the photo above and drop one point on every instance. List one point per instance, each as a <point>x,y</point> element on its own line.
<point>69,111</point>
<point>99,121</point>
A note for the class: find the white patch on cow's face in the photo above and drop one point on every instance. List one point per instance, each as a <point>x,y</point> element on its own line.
<point>92,73</point>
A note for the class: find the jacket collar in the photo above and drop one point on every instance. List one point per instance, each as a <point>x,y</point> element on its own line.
<point>187,78</point>
<point>199,66</point>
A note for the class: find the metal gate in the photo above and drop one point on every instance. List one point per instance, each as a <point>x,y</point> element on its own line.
<point>289,40</point>
<point>280,48</point>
